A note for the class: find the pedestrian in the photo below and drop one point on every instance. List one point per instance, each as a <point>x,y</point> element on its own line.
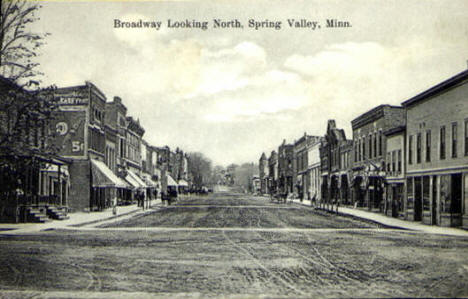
<point>114,206</point>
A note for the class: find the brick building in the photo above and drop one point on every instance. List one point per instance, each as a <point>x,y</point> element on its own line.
<point>116,137</point>
<point>335,152</point>
<point>286,177</point>
<point>370,153</point>
<point>273,173</point>
<point>437,153</point>
<point>263,174</point>
<point>81,124</point>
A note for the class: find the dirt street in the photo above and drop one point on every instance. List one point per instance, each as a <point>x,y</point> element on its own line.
<point>226,245</point>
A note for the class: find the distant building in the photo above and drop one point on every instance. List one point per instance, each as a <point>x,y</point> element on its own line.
<point>335,155</point>
<point>263,173</point>
<point>304,176</point>
<point>314,188</point>
<point>256,184</point>
<point>437,154</point>
<point>286,177</point>
<point>273,173</point>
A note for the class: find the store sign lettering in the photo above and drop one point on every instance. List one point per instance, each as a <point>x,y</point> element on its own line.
<point>72,99</point>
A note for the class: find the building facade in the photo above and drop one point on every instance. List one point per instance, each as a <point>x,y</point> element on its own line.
<point>437,154</point>
<point>304,176</point>
<point>263,174</point>
<point>370,154</point>
<point>335,152</point>
<point>395,171</point>
<point>314,190</point>
<point>273,173</point>
<point>80,124</point>
<point>286,177</point>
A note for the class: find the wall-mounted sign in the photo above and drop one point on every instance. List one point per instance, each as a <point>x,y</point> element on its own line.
<point>69,128</point>
<point>74,97</point>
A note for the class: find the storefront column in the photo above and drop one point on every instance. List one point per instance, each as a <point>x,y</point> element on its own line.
<point>431,200</point>
<point>465,200</point>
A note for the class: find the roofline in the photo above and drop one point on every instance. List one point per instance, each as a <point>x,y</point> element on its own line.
<point>374,110</point>
<point>395,130</point>
<point>450,82</point>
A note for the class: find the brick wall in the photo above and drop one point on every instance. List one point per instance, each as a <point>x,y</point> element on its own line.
<point>80,176</point>
<point>441,110</point>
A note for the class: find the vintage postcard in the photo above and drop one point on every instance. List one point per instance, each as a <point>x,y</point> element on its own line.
<point>233,149</point>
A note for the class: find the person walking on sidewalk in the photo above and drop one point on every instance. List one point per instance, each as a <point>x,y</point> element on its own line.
<point>114,206</point>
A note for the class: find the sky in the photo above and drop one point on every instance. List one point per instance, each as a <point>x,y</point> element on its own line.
<point>233,93</point>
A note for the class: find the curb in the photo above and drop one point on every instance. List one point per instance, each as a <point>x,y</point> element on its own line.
<point>367,220</point>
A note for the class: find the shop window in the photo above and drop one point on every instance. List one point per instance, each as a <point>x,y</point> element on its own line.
<point>445,202</point>
<point>426,193</point>
<point>410,193</point>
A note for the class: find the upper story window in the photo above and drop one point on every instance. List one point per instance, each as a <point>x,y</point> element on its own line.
<point>454,140</point>
<point>363,148</point>
<point>380,143</point>
<point>410,150</point>
<point>375,145</point>
<point>428,145</point>
<point>442,142</point>
<point>399,161</point>
<point>418,148</point>
<point>355,152</point>
<point>466,137</point>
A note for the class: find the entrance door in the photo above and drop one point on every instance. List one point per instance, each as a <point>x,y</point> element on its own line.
<point>466,195</point>
<point>435,208</point>
<point>417,199</point>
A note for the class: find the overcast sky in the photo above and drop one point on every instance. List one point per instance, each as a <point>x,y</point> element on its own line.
<point>234,93</point>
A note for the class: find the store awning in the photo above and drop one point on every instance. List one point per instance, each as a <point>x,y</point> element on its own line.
<point>54,168</point>
<point>134,180</point>
<point>104,177</point>
<point>183,183</point>
<point>171,181</point>
<point>149,182</point>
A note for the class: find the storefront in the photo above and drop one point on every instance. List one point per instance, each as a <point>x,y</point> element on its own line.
<point>183,186</point>
<point>104,187</point>
<point>137,184</point>
<point>436,199</point>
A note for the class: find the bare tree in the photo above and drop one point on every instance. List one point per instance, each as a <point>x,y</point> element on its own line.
<point>19,46</point>
<point>25,109</point>
<point>200,168</point>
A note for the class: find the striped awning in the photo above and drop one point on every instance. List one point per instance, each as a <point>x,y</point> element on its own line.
<point>102,176</point>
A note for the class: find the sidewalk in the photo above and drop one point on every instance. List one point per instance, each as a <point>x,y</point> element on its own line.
<point>394,222</point>
<point>76,219</point>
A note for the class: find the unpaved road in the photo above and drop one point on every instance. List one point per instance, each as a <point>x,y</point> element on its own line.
<point>307,261</point>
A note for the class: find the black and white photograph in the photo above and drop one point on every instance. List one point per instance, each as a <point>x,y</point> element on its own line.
<point>233,149</point>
